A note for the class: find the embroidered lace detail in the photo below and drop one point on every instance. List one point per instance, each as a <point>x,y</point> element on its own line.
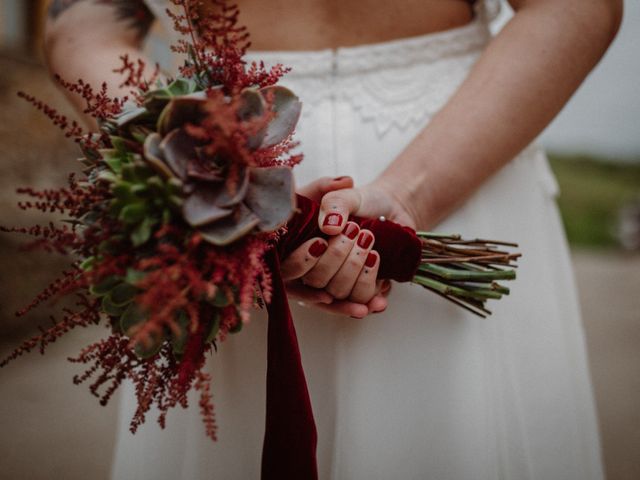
<point>405,81</point>
<point>401,97</point>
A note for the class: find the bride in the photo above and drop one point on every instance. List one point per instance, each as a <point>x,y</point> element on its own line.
<point>414,112</point>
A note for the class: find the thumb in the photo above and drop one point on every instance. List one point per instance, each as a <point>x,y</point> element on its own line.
<point>335,209</point>
<point>318,188</point>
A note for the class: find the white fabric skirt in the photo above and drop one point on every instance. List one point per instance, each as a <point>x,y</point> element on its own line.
<point>423,390</point>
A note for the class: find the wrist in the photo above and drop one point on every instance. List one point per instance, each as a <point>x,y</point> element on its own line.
<point>404,203</point>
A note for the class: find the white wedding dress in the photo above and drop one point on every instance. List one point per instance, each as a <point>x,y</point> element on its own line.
<point>423,390</point>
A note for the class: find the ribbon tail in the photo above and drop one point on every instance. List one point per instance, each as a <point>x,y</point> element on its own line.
<point>289,449</point>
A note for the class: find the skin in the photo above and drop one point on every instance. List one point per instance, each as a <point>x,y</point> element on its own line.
<point>479,130</point>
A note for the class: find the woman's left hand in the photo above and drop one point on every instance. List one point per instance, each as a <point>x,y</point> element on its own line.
<point>329,284</point>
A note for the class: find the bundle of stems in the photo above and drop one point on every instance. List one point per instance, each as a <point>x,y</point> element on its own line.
<point>465,272</point>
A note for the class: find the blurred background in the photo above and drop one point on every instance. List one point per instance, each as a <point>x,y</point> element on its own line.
<point>52,430</point>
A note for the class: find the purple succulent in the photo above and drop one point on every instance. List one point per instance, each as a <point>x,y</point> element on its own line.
<point>224,199</point>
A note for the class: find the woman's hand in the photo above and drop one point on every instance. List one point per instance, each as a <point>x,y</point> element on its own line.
<point>339,275</point>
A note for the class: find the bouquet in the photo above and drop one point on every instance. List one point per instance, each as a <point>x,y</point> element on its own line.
<point>177,225</point>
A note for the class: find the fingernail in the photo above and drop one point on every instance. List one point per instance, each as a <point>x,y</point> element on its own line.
<point>365,239</point>
<point>317,248</point>
<point>332,220</point>
<point>337,179</point>
<point>371,260</point>
<point>352,230</point>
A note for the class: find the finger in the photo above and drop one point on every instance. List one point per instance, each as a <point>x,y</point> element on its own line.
<point>352,270</point>
<point>345,307</point>
<point>365,286</point>
<point>318,188</point>
<point>303,258</point>
<point>378,304</point>
<point>331,261</point>
<point>295,289</point>
<point>335,209</point>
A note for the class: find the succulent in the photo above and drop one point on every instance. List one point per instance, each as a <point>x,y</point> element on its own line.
<point>223,198</point>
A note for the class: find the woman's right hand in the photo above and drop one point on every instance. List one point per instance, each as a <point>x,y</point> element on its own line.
<point>337,275</point>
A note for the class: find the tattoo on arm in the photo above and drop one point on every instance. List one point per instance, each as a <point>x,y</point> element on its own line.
<point>134,12</point>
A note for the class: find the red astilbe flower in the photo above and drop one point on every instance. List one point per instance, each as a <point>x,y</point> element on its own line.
<point>71,128</point>
<point>217,44</point>
<point>88,314</point>
<point>178,278</point>
<point>222,130</point>
<point>135,77</point>
<point>99,104</point>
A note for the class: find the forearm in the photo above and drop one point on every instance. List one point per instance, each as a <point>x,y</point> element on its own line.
<point>522,80</point>
<point>86,38</point>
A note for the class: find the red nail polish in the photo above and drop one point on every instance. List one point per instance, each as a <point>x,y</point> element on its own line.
<point>351,230</point>
<point>365,239</point>
<point>332,220</point>
<point>371,260</point>
<point>317,248</point>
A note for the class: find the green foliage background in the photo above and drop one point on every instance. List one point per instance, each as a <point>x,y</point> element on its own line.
<point>593,190</point>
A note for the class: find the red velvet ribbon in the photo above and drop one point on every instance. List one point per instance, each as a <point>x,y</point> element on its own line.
<point>289,450</point>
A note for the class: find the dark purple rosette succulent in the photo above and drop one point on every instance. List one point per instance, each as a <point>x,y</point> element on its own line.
<point>223,197</point>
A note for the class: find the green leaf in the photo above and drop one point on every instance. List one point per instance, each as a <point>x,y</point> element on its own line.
<point>107,176</point>
<point>139,133</point>
<point>139,189</point>
<point>142,233</point>
<point>131,317</point>
<point>147,351</point>
<point>113,158</point>
<point>178,342</point>
<point>110,308</point>
<point>214,328</point>
<point>120,144</point>
<point>181,86</point>
<point>122,191</point>
<point>237,327</point>
<point>134,276</point>
<point>133,213</point>
<point>220,300</point>
<point>156,183</point>
<point>88,263</point>
<point>174,186</point>
<point>166,216</point>
<point>176,201</point>
<point>123,294</point>
<point>129,173</point>
<point>105,286</point>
